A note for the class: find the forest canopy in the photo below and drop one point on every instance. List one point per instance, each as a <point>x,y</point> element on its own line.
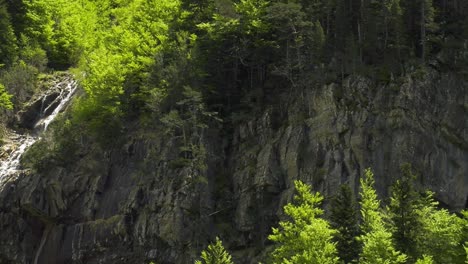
<point>136,57</point>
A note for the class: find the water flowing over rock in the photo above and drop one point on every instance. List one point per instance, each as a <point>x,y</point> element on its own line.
<point>37,116</point>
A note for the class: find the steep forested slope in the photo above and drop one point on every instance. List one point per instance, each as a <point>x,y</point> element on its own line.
<point>195,119</point>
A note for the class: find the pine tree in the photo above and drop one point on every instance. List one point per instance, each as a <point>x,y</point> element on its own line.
<point>466,250</point>
<point>419,20</point>
<point>441,234</point>
<point>377,240</point>
<point>343,218</point>
<point>215,254</point>
<point>8,47</point>
<point>403,205</point>
<point>307,238</point>
<point>427,25</point>
<point>394,45</point>
<point>465,232</point>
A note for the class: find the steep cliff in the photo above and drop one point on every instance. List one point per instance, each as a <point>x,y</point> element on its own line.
<point>133,204</point>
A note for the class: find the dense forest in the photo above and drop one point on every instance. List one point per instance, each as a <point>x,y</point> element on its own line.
<point>145,59</point>
<point>184,67</point>
<point>410,229</point>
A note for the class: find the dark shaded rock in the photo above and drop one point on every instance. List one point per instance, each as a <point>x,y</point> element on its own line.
<point>130,205</point>
<point>38,108</point>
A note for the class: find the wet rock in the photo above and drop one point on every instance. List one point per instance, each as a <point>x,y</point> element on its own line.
<point>38,108</point>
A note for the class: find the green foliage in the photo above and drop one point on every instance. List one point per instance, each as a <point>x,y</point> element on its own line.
<point>40,25</point>
<point>442,233</point>
<point>420,228</point>
<point>376,239</point>
<point>307,238</point>
<point>404,202</point>
<point>8,45</point>
<point>5,101</point>
<point>215,254</point>
<point>437,237</point>
<point>176,64</point>
<point>57,148</point>
<point>33,56</point>
<point>301,41</point>
<point>343,218</point>
<point>117,65</point>
<point>188,124</point>
<point>425,260</point>
<point>465,232</point>
<point>20,80</point>
<point>466,250</point>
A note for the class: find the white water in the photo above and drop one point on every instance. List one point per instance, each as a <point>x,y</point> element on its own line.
<point>11,167</point>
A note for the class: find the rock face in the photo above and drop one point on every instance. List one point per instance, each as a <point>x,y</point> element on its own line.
<point>132,205</point>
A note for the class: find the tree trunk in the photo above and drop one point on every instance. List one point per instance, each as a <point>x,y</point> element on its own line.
<point>423,30</point>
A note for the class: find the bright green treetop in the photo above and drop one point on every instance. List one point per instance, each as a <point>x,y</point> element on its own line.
<point>215,254</point>
<point>442,233</point>
<point>5,98</point>
<point>307,238</point>
<point>425,260</point>
<point>377,240</point>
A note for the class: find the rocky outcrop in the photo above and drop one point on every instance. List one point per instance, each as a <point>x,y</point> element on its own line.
<point>133,204</point>
<point>34,111</point>
<point>43,104</point>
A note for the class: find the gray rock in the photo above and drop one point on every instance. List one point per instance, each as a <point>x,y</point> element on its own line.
<point>132,205</point>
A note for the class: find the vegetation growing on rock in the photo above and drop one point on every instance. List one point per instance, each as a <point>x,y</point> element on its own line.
<point>195,117</point>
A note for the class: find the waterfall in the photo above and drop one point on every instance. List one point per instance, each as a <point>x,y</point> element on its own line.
<point>19,143</point>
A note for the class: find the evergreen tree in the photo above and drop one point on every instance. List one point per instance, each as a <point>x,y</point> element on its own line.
<point>198,11</point>
<point>17,10</point>
<point>394,43</point>
<point>403,212</point>
<point>465,232</point>
<point>419,20</point>
<point>377,240</point>
<point>299,40</point>
<point>373,27</point>
<point>442,233</point>
<point>466,251</point>
<point>215,254</point>
<point>8,45</point>
<point>307,238</point>
<point>428,27</point>
<point>343,218</point>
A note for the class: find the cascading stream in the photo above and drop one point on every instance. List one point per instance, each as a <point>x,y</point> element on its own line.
<point>10,166</point>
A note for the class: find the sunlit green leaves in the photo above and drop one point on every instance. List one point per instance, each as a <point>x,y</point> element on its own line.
<point>118,64</point>
<point>5,101</point>
<point>425,260</point>
<point>215,254</point>
<point>377,241</point>
<point>306,238</point>
<point>442,233</point>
